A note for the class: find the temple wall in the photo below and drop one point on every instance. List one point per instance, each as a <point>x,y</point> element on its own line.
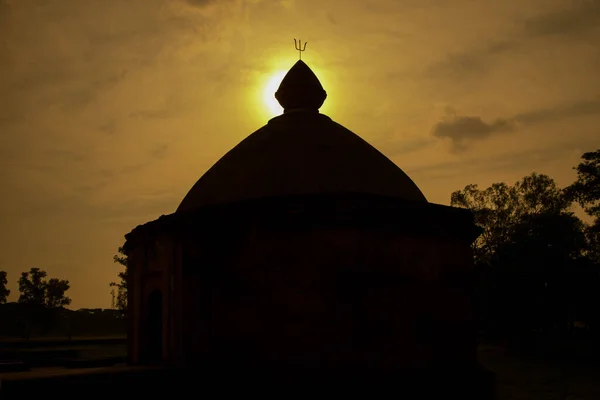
<point>331,295</point>
<point>136,260</point>
<point>151,268</point>
<point>176,306</point>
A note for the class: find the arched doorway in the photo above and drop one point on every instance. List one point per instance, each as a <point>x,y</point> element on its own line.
<point>154,327</point>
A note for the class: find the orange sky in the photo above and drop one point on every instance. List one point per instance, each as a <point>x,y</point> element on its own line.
<point>111,110</point>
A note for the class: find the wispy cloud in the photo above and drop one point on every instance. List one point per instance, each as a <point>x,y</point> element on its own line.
<point>465,130</point>
<point>561,111</point>
<point>527,160</point>
<point>574,19</point>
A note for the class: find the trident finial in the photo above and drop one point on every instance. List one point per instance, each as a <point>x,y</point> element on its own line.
<point>298,46</point>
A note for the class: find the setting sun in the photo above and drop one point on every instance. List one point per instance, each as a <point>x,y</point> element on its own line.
<point>271,82</point>
<point>270,88</point>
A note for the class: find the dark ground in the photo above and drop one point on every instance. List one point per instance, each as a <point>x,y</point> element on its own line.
<point>527,377</point>
<point>517,376</point>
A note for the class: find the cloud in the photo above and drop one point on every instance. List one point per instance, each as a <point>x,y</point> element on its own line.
<point>471,61</point>
<point>400,147</point>
<point>94,94</point>
<point>463,130</point>
<point>506,163</point>
<point>4,10</point>
<point>561,111</point>
<point>200,3</point>
<point>160,151</point>
<point>572,21</point>
<point>568,23</point>
<point>331,18</point>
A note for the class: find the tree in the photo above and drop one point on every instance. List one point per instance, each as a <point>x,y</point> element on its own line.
<point>55,293</point>
<point>36,290</point>
<point>592,233</point>
<point>493,210</point>
<point>4,292</point>
<point>32,287</point>
<point>540,268</point>
<point>500,207</point>
<point>121,258</point>
<point>530,243</point>
<point>586,189</point>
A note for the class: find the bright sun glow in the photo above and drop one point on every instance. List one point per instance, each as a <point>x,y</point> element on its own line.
<point>267,85</point>
<point>269,93</point>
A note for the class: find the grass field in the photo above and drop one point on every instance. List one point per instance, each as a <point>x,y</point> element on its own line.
<point>59,339</point>
<point>526,378</point>
<point>49,352</point>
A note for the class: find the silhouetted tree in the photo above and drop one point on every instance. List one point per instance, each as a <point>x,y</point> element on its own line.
<point>19,319</point>
<point>42,300</point>
<point>494,211</point>
<point>586,189</point>
<point>528,254</point>
<point>593,237</point>
<point>36,290</point>
<point>55,293</point>
<point>537,268</point>
<point>4,292</point>
<point>500,207</point>
<point>121,258</point>
<point>32,287</point>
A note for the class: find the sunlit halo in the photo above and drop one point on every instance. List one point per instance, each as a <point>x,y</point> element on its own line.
<point>269,93</point>
<point>268,84</point>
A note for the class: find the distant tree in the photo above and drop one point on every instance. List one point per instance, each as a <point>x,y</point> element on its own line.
<point>36,290</point>
<point>55,293</point>
<point>32,287</point>
<point>494,211</point>
<point>500,207</point>
<point>538,270</point>
<point>527,254</point>
<point>586,189</point>
<point>538,194</point>
<point>4,292</point>
<point>121,301</point>
<point>593,237</point>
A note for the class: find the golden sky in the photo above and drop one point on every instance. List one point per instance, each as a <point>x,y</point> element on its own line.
<point>111,110</point>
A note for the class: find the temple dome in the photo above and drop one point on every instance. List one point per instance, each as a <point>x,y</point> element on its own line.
<point>301,152</point>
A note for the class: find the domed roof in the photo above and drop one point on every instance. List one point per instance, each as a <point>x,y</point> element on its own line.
<point>301,152</point>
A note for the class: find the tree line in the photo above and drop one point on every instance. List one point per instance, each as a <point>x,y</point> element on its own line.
<point>40,307</point>
<point>537,263</point>
<point>40,310</point>
<point>35,289</point>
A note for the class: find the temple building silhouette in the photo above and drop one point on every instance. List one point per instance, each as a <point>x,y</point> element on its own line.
<point>303,246</point>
